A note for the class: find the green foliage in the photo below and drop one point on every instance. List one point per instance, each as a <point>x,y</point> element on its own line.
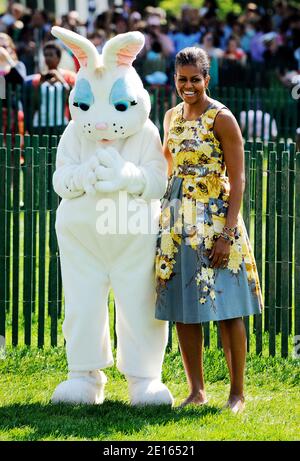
<point>174,6</point>
<point>224,6</point>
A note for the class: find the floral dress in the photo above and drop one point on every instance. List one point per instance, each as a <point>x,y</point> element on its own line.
<point>193,215</point>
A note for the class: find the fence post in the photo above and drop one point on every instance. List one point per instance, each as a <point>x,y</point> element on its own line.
<point>247,217</point>
<point>28,244</point>
<point>258,239</point>
<point>42,245</point>
<point>53,254</point>
<point>280,149</point>
<point>270,267</point>
<point>297,249</point>
<point>35,198</point>
<point>292,201</point>
<point>3,154</point>
<point>8,209</point>
<point>16,246</point>
<point>206,331</point>
<point>285,162</point>
<point>270,148</point>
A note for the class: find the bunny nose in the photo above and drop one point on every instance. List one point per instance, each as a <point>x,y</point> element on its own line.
<point>101,126</point>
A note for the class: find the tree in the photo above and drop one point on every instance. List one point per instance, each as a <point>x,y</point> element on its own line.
<point>224,6</point>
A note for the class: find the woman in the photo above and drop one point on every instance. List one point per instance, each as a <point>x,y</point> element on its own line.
<point>205,266</point>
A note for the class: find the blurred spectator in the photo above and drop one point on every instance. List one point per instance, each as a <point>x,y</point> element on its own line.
<point>50,102</point>
<point>226,29</point>
<point>156,39</point>
<point>251,14</point>
<point>14,73</point>
<point>248,34</point>
<point>120,23</point>
<point>260,125</point>
<point>233,70</point>
<point>234,53</point>
<point>209,9</point>
<point>280,12</point>
<point>12,18</point>
<point>98,38</point>
<point>134,21</point>
<point>13,69</point>
<point>72,22</point>
<point>209,45</point>
<point>215,54</point>
<point>257,45</point>
<point>188,33</point>
<point>155,66</point>
<point>35,31</point>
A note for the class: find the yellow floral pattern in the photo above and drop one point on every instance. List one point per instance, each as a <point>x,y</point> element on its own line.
<point>199,219</point>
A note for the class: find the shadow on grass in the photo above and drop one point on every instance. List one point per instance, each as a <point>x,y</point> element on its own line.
<point>100,422</point>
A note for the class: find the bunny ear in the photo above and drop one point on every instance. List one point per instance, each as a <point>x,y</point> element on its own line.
<point>82,48</point>
<point>122,49</point>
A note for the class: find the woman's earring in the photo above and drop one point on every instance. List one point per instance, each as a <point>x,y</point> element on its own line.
<point>207,91</point>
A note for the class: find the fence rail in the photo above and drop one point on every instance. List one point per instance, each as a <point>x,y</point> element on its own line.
<point>31,294</point>
<point>267,114</point>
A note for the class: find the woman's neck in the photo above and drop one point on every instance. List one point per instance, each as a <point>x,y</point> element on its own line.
<point>193,111</point>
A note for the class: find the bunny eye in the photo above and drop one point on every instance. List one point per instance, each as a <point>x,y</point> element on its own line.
<point>121,106</point>
<point>81,106</point>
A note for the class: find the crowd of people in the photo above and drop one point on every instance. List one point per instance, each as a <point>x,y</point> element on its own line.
<point>253,49</point>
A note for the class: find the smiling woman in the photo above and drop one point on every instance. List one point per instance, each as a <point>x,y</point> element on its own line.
<point>205,266</point>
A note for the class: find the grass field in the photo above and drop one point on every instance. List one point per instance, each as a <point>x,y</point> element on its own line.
<point>28,378</point>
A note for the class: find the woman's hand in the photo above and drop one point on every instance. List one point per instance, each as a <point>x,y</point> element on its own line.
<point>220,253</point>
<point>6,60</point>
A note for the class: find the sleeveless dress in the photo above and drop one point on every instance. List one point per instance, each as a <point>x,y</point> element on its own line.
<point>193,215</point>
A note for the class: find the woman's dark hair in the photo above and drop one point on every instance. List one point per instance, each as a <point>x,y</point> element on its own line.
<point>193,56</point>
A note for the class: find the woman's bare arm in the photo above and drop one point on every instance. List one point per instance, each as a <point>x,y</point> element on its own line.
<point>166,151</point>
<point>229,134</point>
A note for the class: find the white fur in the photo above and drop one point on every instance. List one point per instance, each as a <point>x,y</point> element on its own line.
<point>84,387</point>
<point>89,172</point>
<point>148,392</point>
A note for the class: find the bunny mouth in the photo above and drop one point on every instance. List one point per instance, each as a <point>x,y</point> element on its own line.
<point>105,141</point>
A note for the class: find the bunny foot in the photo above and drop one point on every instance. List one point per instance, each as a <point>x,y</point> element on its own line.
<point>81,387</point>
<point>145,391</point>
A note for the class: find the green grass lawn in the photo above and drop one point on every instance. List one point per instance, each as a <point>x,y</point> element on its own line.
<point>28,378</point>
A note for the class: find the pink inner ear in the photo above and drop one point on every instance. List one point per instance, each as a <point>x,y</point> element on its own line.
<point>79,53</point>
<point>127,55</point>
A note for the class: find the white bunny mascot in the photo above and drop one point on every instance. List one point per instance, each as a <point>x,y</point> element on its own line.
<point>109,151</point>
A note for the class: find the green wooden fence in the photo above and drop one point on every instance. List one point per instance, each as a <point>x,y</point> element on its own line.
<point>31,294</point>
<point>264,114</point>
<point>27,110</point>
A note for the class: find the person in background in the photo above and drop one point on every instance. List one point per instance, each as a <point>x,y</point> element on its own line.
<point>51,109</point>
<point>154,35</point>
<point>234,53</point>
<point>208,44</point>
<point>188,33</point>
<point>251,14</point>
<point>260,125</point>
<point>134,21</point>
<point>14,73</point>
<point>247,36</point>
<point>98,38</point>
<point>12,17</point>
<point>215,55</point>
